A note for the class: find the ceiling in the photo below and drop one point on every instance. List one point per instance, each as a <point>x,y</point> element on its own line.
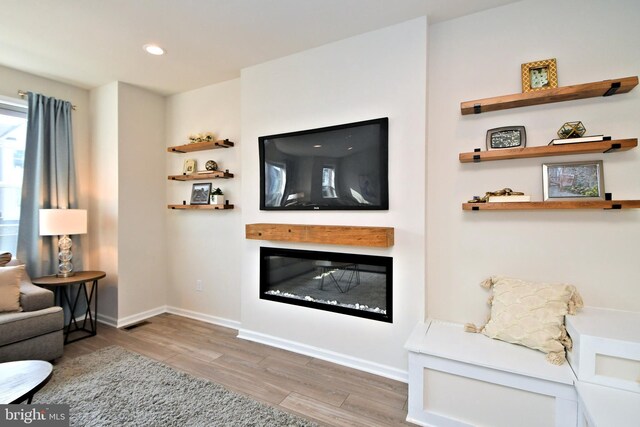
<point>89,43</point>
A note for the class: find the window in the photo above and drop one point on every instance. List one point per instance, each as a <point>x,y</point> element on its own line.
<point>13,133</point>
<point>329,182</point>
<point>276,180</point>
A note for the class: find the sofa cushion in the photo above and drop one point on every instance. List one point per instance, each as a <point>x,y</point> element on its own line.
<point>20,326</point>
<point>44,347</point>
<point>10,278</point>
<point>34,297</point>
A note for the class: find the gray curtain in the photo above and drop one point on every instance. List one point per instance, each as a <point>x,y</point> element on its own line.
<point>49,182</point>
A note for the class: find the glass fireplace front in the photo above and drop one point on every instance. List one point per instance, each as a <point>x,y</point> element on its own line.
<point>353,284</point>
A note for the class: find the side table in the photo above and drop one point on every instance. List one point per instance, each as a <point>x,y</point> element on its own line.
<point>62,290</point>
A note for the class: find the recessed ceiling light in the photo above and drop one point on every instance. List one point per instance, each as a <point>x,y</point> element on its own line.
<point>153,49</point>
<point>317,146</point>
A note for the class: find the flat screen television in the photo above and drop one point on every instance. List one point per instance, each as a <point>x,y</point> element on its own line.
<point>343,167</point>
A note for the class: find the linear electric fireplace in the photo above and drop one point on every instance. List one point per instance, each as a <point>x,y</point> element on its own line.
<point>357,285</point>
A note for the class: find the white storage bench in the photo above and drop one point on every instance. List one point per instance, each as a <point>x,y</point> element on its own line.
<point>606,347</point>
<point>459,379</point>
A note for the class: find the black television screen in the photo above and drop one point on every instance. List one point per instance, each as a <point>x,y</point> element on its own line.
<point>330,168</point>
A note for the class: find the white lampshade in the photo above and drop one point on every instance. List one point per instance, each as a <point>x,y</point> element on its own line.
<point>60,222</point>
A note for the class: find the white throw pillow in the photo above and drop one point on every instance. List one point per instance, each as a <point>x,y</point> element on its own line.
<point>10,288</point>
<point>531,314</point>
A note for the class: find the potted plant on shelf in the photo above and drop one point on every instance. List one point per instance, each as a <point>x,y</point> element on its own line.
<point>217,197</point>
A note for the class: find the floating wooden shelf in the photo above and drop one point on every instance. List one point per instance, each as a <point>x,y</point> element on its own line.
<point>550,150</point>
<point>199,146</point>
<point>201,207</point>
<point>580,204</point>
<point>381,237</point>
<point>197,176</point>
<point>566,93</point>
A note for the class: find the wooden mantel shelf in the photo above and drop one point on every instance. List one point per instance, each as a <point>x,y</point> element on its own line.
<point>579,204</point>
<point>199,146</point>
<point>550,150</point>
<point>381,237</point>
<point>566,93</point>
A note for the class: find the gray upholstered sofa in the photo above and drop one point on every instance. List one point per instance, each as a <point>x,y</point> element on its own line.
<point>36,331</point>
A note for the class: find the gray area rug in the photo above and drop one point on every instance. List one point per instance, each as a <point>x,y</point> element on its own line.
<point>114,387</point>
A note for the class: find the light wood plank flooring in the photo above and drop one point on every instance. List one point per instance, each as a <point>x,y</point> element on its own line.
<point>324,392</point>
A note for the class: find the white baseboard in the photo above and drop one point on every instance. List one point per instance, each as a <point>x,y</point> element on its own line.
<point>221,321</point>
<point>107,320</point>
<point>329,356</point>
<point>139,317</point>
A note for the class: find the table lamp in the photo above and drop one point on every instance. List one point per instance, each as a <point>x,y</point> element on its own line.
<point>63,222</point>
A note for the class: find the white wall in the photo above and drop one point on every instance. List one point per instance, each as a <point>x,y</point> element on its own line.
<point>103,220</point>
<point>204,245</point>
<point>479,56</point>
<point>142,274</point>
<point>378,74</point>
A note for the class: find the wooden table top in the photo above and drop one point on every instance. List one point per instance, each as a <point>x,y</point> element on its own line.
<point>79,277</point>
<point>20,379</point>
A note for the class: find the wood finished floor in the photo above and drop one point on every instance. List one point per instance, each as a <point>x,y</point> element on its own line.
<point>321,391</point>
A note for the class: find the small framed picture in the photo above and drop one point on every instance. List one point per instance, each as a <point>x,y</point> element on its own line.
<point>539,75</point>
<point>189,167</point>
<point>506,137</point>
<point>573,181</point>
<point>200,193</point>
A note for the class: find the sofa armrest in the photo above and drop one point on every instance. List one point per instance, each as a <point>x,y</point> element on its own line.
<point>34,298</point>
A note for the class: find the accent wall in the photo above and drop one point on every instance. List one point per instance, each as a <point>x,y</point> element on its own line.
<point>479,56</point>
<point>377,74</point>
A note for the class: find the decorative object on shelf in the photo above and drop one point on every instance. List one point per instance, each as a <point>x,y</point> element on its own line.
<point>63,222</point>
<point>506,137</point>
<point>211,165</point>
<point>571,130</point>
<point>201,137</point>
<point>189,167</point>
<point>200,193</point>
<point>217,197</point>
<point>530,314</point>
<point>590,138</point>
<point>488,194</point>
<point>539,75</point>
<point>573,181</point>
<point>509,198</point>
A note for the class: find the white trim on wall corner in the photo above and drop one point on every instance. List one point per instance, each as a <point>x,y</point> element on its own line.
<point>227,323</point>
<point>139,317</point>
<point>107,320</point>
<point>329,356</point>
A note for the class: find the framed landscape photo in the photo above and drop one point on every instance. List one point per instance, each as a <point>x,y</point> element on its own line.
<point>573,181</point>
<point>200,193</point>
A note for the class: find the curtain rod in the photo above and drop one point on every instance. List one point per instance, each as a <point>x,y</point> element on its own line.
<point>22,94</point>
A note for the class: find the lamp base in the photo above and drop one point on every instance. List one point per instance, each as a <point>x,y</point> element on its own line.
<point>69,274</point>
<point>65,267</point>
